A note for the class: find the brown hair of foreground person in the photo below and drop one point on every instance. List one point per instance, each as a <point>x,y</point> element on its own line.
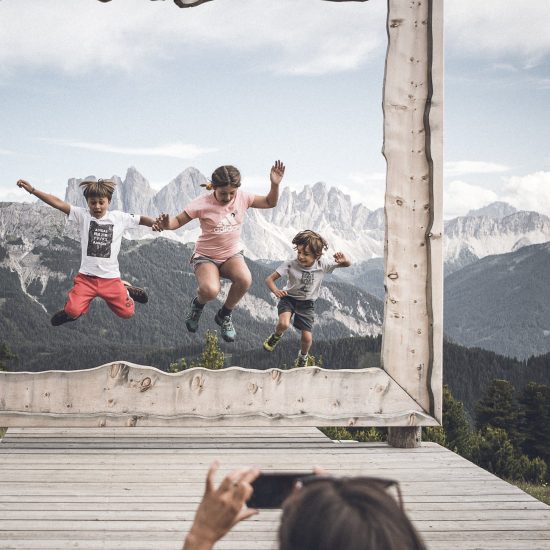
<point>325,513</point>
<point>330,513</point>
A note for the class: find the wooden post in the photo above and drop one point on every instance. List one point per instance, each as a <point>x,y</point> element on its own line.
<point>412,103</point>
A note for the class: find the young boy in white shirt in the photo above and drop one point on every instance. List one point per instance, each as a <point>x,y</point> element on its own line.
<point>305,274</point>
<point>100,238</point>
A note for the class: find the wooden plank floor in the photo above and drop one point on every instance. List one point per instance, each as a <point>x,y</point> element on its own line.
<point>137,488</point>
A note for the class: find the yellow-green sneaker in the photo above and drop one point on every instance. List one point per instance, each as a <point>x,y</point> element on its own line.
<point>271,342</point>
<point>301,360</point>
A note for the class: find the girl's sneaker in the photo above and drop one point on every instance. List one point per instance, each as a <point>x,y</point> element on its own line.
<point>301,360</point>
<point>192,317</point>
<point>271,342</point>
<point>228,329</point>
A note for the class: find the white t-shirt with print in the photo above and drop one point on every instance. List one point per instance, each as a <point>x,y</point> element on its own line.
<point>304,283</point>
<point>100,240</point>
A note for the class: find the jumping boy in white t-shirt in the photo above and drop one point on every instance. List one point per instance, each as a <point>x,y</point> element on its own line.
<point>100,238</point>
<point>305,274</point>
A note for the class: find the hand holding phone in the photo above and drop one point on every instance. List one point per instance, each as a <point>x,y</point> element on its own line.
<point>272,488</point>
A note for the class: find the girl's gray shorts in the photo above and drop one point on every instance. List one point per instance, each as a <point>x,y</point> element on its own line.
<point>197,259</point>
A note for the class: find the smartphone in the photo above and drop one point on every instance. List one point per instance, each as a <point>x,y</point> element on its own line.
<point>272,488</point>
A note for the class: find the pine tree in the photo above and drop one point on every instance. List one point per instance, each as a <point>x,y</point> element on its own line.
<point>535,401</point>
<point>5,355</point>
<point>211,357</point>
<point>178,366</point>
<point>499,408</point>
<point>455,433</point>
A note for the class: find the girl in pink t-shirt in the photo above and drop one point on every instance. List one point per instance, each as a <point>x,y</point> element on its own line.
<point>218,252</point>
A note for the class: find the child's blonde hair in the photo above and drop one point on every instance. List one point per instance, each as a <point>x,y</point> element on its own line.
<point>99,189</point>
<point>311,240</point>
<point>223,176</point>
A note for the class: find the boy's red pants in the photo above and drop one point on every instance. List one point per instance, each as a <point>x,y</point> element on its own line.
<point>87,287</point>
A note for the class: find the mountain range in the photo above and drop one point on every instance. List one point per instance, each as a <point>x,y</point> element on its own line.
<point>33,237</point>
<point>35,275</point>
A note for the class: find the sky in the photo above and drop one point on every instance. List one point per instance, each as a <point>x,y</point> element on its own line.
<point>92,88</point>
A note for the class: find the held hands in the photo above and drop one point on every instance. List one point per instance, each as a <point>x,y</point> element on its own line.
<point>161,223</point>
<point>221,508</point>
<point>26,186</point>
<point>277,172</point>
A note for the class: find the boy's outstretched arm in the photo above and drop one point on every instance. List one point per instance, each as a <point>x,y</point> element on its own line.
<point>52,200</point>
<point>341,259</point>
<point>164,221</point>
<point>147,221</point>
<point>270,282</point>
<point>271,199</point>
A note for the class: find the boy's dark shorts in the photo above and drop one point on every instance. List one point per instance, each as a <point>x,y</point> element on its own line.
<point>303,311</point>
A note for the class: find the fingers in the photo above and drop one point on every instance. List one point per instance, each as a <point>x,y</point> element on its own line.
<point>278,167</point>
<point>320,471</point>
<point>246,513</point>
<point>210,477</point>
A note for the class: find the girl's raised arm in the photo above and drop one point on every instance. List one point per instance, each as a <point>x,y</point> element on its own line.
<point>275,176</point>
<point>52,200</point>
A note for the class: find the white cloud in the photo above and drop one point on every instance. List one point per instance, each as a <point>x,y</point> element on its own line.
<point>460,197</point>
<point>461,167</point>
<point>6,152</point>
<point>312,37</point>
<point>496,28</point>
<point>368,188</point>
<point>174,150</point>
<point>15,194</point>
<point>530,192</point>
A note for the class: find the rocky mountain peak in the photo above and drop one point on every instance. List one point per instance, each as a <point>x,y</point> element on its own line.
<point>496,210</point>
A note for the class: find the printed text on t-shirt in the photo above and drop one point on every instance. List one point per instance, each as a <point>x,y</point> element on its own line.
<point>100,237</point>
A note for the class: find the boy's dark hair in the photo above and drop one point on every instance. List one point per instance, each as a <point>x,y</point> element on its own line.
<point>223,176</point>
<point>312,240</point>
<point>99,189</point>
<point>345,513</point>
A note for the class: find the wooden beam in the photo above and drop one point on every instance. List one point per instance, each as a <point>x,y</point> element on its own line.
<point>413,268</point>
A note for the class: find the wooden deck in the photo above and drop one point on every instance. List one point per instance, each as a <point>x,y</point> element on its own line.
<point>137,488</point>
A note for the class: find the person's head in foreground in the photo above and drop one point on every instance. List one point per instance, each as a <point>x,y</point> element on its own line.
<point>330,513</point>
<point>324,513</point>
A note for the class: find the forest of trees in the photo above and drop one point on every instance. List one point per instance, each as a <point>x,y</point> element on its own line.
<point>507,432</point>
<point>505,427</point>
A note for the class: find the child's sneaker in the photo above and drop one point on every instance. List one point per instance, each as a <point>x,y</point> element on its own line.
<point>61,317</point>
<point>271,342</point>
<point>301,360</point>
<point>192,318</point>
<point>228,330</point>
<point>137,294</point>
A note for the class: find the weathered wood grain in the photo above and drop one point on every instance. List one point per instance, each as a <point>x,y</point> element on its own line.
<point>127,394</point>
<point>144,496</point>
<point>413,265</point>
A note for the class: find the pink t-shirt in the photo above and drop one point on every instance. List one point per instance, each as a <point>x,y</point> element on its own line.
<point>221,224</point>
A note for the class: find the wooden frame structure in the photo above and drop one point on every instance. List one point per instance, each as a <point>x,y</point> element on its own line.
<point>406,392</point>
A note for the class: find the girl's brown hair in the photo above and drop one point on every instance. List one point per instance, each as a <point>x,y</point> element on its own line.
<point>99,189</point>
<point>345,513</point>
<point>223,176</point>
<point>311,240</point>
